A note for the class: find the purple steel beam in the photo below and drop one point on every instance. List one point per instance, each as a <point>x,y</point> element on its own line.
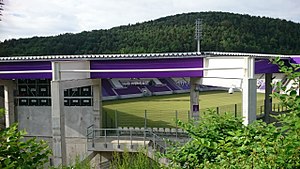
<point>261,66</point>
<point>265,66</point>
<point>25,66</point>
<point>141,64</point>
<point>295,60</point>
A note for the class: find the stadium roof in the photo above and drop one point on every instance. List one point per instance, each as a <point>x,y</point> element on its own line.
<point>138,56</point>
<point>189,64</point>
<point>258,55</point>
<point>102,56</point>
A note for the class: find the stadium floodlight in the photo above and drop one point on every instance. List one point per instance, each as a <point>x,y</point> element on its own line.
<point>198,33</point>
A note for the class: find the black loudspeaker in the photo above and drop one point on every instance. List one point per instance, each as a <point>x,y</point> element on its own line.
<point>75,102</point>
<point>44,102</point>
<point>23,91</point>
<point>74,92</point>
<point>86,102</point>
<point>66,92</point>
<point>86,91</point>
<point>33,102</point>
<point>67,102</point>
<point>23,102</point>
<point>43,90</point>
<point>32,90</point>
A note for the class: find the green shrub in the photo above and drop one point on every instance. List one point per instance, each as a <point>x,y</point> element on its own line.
<point>17,153</point>
<point>223,142</point>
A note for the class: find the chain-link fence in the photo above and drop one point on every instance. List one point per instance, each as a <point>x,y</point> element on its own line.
<point>167,118</point>
<point>146,118</point>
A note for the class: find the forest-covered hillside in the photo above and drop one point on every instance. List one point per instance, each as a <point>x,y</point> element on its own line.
<point>221,32</point>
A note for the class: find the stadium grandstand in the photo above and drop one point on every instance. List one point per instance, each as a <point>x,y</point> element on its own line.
<point>59,97</point>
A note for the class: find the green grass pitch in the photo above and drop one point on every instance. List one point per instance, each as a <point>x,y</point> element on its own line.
<point>161,110</point>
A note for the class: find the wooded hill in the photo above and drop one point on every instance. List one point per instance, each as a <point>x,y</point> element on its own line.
<point>221,32</point>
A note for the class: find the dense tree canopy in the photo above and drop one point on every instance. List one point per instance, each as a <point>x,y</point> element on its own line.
<point>221,32</point>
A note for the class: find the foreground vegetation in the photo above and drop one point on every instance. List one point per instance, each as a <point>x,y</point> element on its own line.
<point>137,160</point>
<point>17,153</point>
<point>221,32</point>
<point>224,142</point>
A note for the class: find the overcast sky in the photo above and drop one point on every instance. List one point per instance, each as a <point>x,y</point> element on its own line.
<point>27,18</point>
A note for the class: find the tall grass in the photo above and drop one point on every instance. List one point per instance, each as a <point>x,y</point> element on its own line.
<point>137,160</point>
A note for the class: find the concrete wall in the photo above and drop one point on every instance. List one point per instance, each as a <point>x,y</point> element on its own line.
<point>78,119</point>
<point>36,120</point>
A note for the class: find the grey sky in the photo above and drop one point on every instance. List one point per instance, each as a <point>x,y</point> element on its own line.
<point>27,18</point>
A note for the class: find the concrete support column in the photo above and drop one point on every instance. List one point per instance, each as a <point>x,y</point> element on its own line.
<point>268,99</point>
<point>249,91</point>
<point>194,98</point>
<point>58,119</point>
<point>9,106</point>
<point>249,100</point>
<point>97,103</point>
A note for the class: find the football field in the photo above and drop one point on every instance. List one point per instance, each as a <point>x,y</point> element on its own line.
<point>162,111</point>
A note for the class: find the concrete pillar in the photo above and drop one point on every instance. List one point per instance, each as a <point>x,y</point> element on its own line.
<point>58,118</point>
<point>9,106</point>
<point>249,91</point>
<point>268,100</point>
<point>97,103</point>
<point>194,98</point>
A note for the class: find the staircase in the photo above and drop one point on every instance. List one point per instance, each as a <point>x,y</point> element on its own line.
<point>132,140</point>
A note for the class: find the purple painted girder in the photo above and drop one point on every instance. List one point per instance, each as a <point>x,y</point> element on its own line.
<point>295,60</point>
<point>261,66</point>
<point>19,66</point>
<point>265,66</point>
<point>147,64</point>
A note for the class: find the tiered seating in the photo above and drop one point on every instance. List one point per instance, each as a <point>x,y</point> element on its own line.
<point>104,93</point>
<point>170,83</point>
<point>113,89</point>
<point>107,88</point>
<point>262,86</point>
<point>185,86</point>
<point>128,90</point>
<point>158,88</point>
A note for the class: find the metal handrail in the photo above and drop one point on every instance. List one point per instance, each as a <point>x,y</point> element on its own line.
<point>127,136</point>
<point>90,132</point>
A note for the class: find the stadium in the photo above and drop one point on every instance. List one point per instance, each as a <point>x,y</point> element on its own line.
<point>61,98</point>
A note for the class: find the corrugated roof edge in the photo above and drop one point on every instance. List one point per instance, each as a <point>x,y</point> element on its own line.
<point>138,56</point>
<point>258,55</point>
<point>102,56</point>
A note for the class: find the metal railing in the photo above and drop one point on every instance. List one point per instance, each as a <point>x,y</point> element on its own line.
<point>148,118</point>
<point>132,138</point>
